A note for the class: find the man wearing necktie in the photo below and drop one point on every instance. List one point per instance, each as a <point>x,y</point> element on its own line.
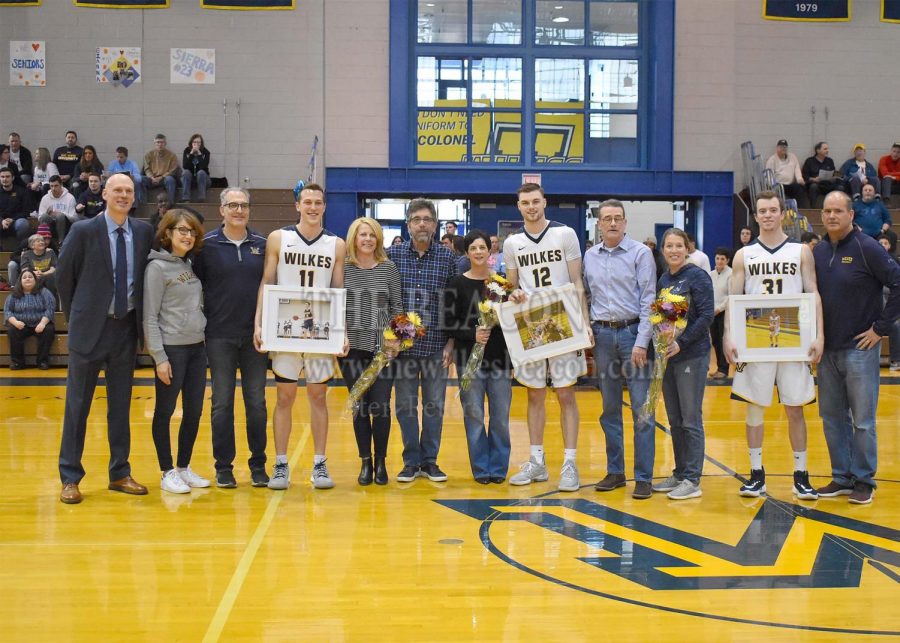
<point>100,281</point>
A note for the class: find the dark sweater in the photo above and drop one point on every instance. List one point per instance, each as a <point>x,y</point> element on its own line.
<point>851,275</point>
<point>66,158</point>
<point>696,284</point>
<point>93,203</point>
<point>195,162</point>
<point>461,299</point>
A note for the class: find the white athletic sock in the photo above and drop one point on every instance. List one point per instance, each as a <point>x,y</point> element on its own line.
<point>281,459</point>
<point>799,460</point>
<point>569,454</point>
<point>537,452</point>
<point>318,459</point>
<point>755,458</point>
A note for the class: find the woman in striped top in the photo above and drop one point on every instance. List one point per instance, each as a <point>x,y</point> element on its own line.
<point>373,288</point>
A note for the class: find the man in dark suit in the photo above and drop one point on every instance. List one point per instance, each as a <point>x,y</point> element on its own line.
<point>101,284</point>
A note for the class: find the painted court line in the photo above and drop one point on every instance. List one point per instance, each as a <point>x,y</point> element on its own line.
<point>223,611</point>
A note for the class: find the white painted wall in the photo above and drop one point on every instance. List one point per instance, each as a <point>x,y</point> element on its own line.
<point>279,64</point>
<point>739,77</point>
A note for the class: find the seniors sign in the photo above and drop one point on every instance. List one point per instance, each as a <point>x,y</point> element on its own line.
<point>27,63</point>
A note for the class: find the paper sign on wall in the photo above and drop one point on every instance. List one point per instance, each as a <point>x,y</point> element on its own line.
<point>27,62</point>
<point>118,65</point>
<point>192,66</point>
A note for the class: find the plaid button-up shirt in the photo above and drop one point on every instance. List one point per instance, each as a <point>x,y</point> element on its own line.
<point>424,280</point>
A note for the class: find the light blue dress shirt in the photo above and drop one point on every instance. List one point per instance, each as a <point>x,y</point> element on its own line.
<point>620,284</point>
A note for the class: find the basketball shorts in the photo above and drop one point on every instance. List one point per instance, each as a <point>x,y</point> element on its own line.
<point>564,370</point>
<point>317,367</point>
<point>754,381</point>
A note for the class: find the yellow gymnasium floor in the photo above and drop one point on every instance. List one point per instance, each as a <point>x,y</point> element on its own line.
<point>452,561</point>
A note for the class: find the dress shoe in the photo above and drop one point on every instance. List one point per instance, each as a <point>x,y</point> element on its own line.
<point>365,473</point>
<point>70,494</point>
<point>642,490</point>
<point>128,485</point>
<point>483,480</point>
<point>610,482</point>
<point>498,479</point>
<point>381,474</point>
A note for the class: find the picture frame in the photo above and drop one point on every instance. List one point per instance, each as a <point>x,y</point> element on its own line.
<point>303,320</point>
<point>549,323</point>
<point>772,328</point>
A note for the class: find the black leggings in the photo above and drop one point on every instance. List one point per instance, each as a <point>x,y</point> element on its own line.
<point>372,421</point>
<point>189,379</point>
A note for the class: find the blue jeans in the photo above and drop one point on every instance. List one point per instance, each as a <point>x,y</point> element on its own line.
<point>848,398</point>
<point>202,184</point>
<point>226,355</point>
<point>168,183</point>
<point>488,449</point>
<point>612,363</point>
<point>683,387</point>
<point>410,373</point>
<point>189,379</point>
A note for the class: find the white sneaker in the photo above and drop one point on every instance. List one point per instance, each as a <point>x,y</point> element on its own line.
<point>320,478</point>
<point>530,471</point>
<point>668,484</point>
<point>173,483</point>
<point>568,477</point>
<point>192,480</point>
<point>686,489</point>
<point>281,477</point>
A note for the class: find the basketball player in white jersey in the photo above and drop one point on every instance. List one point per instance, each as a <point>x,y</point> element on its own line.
<point>307,255</point>
<point>543,254</point>
<point>775,265</point>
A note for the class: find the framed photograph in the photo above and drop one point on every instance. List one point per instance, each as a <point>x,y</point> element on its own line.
<point>548,324</point>
<point>303,320</point>
<point>772,328</point>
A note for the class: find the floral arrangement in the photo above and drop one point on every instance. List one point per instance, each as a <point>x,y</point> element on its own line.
<point>405,327</point>
<point>497,290</point>
<point>668,318</point>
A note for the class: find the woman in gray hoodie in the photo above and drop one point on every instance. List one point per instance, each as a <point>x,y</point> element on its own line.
<point>173,330</point>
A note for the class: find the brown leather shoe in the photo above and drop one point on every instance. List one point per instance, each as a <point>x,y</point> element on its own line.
<point>128,485</point>
<point>610,482</point>
<point>70,494</point>
<point>642,490</point>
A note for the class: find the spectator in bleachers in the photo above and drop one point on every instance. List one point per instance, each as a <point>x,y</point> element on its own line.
<point>163,205</point>
<point>14,217</point>
<point>42,170</point>
<point>721,278</point>
<point>745,236</point>
<point>858,172</point>
<point>813,167</point>
<point>894,336</point>
<point>123,164</point>
<point>57,208</point>
<point>870,214</point>
<point>21,156</point>
<point>38,258</point>
<point>696,256</point>
<point>66,157</point>
<point>658,259</point>
<point>811,239</point>
<point>90,202</point>
<point>786,169</point>
<point>6,162</point>
<point>195,167</point>
<point>28,311</point>
<point>161,168</point>
<point>88,164</point>
<point>889,171</point>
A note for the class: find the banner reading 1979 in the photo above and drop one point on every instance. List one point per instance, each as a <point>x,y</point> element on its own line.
<point>814,11</point>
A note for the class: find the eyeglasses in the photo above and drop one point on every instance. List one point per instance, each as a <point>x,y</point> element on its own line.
<point>234,206</point>
<point>612,219</point>
<point>183,231</point>
<point>421,220</point>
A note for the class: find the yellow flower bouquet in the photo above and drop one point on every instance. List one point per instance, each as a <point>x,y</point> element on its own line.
<point>668,318</point>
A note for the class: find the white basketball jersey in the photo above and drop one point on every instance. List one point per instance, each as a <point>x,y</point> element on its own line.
<point>772,271</point>
<point>305,262</point>
<point>542,261</point>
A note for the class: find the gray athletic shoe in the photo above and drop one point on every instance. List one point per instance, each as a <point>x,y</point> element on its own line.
<point>281,477</point>
<point>530,471</point>
<point>686,489</point>
<point>568,477</point>
<point>320,478</point>
<point>668,484</point>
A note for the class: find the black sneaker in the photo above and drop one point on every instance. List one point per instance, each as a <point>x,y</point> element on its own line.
<point>756,486</point>
<point>802,489</point>
<point>259,478</point>
<point>433,472</point>
<point>408,473</point>
<point>225,480</point>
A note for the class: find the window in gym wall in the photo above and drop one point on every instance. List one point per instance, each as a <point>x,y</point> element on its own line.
<point>565,71</point>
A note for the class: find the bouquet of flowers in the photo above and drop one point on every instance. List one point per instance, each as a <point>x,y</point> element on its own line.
<point>668,317</point>
<point>406,327</point>
<point>497,291</point>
